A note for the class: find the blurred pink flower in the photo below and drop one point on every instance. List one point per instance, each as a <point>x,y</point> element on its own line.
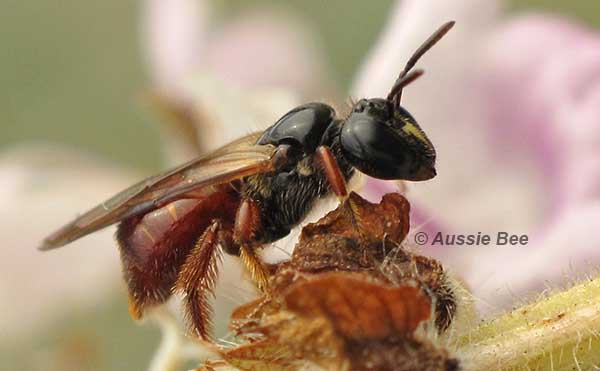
<point>513,108</point>
<point>41,188</point>
<point>260,61</point>
<point>263,49</point>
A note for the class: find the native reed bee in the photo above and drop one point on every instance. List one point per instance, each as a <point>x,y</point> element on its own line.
<point>252,192</point>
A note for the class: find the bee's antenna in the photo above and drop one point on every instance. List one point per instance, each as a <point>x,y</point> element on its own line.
<point>403,80</point>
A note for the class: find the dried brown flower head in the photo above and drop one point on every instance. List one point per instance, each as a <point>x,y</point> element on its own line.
<point>351,298</point>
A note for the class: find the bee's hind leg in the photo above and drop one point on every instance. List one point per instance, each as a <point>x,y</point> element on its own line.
<point>197,279</point>
<point>247,225</point>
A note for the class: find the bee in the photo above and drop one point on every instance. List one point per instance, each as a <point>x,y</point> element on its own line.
<point>251,192</point>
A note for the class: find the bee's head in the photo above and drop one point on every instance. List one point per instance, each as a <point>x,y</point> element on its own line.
<point>383,140</point>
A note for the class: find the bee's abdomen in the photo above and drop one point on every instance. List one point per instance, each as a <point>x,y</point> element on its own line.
<point>154,247</point>
<point>149,236</point>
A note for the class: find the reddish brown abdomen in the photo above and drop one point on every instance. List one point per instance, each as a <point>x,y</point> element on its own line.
<point>154,246</point>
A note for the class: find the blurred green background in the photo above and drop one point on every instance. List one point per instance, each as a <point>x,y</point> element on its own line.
<point>72,73</point>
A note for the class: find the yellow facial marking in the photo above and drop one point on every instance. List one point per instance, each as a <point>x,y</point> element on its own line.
<point>415,131</point>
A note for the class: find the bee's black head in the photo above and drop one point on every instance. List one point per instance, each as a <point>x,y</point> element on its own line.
<point>383,140</point>
<point>380,138</point>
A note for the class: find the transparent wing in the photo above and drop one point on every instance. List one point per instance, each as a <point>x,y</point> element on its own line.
<point>230,162</point>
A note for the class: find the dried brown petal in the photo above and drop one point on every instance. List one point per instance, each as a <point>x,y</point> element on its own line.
<point>359,309</point>
<point>345,321</point>
<point>359,218</point>
<point>353,236</point>
<point>261,356</point>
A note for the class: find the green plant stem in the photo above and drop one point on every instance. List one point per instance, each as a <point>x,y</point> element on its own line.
<point>557,332</point>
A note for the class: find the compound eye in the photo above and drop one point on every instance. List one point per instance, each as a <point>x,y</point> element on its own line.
<point>303,126</point>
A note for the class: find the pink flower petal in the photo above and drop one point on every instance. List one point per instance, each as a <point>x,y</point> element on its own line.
<point>566,253</point>
<point>550,102</point>
<point>409,24</point>
<point>43,188</point>
<point>224,121</point>
<point>174,35</point>
<point>257,50</point>
<point>267,50</point>
<point>534,92</point>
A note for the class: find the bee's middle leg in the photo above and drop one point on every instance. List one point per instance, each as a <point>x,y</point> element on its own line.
<point>247,224</point>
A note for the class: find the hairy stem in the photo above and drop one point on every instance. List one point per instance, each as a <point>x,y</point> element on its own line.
<point>558,332</point>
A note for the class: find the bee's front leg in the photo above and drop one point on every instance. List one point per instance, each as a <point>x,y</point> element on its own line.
<point>247,224</point>
<point>332,171</point>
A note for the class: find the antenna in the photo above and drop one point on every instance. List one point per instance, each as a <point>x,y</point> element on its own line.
<point>405,76</point>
